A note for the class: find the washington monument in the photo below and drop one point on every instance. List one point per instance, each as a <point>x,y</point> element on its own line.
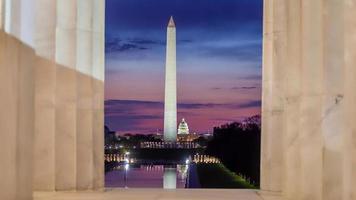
<point>170,95</point>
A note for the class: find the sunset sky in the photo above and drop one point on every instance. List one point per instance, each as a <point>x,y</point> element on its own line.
<point>219,53</point>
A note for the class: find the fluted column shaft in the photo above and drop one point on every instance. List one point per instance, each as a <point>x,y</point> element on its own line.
<point>349,135</point>
<point>52,92</point>
<point>45,95</point>
<point>316,132</point>
<point>16,118</point>
<point>274,48</point>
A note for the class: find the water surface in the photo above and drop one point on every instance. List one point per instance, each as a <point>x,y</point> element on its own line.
<point>147,176</point>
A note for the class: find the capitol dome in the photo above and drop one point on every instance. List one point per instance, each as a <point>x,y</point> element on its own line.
<point>183,128</point>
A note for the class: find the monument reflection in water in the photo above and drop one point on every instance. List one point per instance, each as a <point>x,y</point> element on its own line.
<point>170,178</point>
<point>147,176</point>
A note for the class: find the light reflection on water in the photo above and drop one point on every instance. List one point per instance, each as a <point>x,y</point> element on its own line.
<point>147,176</point>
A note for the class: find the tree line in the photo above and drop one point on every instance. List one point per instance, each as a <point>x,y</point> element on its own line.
<point>238,146</point>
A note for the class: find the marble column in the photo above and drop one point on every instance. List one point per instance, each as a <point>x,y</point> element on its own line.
<point>66,96</point>
<point>45,90</point>
<point>349,137</point>
<point>13,18</point>
<point>54,88</point>
<point>2,16</point>
<point>98,74</point>
<point>293,101</point>
<point>311,100</point>
<point>70,95</point>
<point>273,114</point>
<point>333,109</point>
<point>16,118</point>
<point>84,65</point>
<point>317,124</point>
<point>17,61</point>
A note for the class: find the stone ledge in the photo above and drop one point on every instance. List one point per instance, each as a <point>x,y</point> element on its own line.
<point>159,194</point>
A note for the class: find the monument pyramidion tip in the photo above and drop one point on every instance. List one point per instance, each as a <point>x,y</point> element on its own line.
<point>171,22</point>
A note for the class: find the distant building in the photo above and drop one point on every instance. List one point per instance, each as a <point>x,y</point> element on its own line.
<point>158,136</point>
<point>183,132</point>
<point>183,136</point>
<point>183,128</point>
<point>117,135</point>
<point>207,136</point>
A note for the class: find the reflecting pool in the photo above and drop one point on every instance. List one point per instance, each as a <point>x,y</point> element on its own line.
<point>147,176</point>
